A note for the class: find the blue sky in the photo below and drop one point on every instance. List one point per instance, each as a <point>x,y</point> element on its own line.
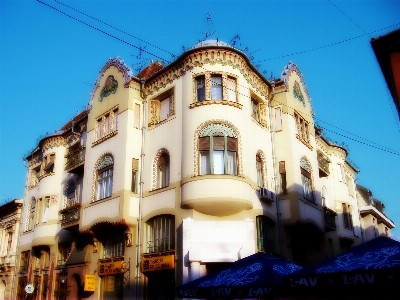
<point>50,58</point>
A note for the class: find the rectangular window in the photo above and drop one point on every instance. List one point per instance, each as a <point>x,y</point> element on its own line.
<point>265,234</point>
<point>216,87</point>
<point>232,89</point>
<point>282,173</point>
<point>200,88</point>
<point>347,216</point>
<point>104,184</point>
<point>24,261</point>
<point>278,119</point>
<point>46,204</point>
<point>106,124</point>
<point>99,128</point>
<point>136,116</point>
<point>64,250</point>
<point>302,128</point>
<point>161,234</point>
<point>113,244</point>
<point>254,110</point>
<point>115,120</point>
<point>217,155</point>
<point>135,168</point>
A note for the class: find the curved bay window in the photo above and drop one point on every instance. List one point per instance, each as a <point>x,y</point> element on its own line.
<point>217,150</point>
<point>104,178</point>
<point>160,233</point>
<point>265,234</point>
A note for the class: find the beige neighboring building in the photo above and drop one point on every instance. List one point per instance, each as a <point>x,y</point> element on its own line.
<point>10,217</point>
<point>178,171</point>
<point>374,221</point>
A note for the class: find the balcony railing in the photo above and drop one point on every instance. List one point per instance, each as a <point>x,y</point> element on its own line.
<point>161,245</point>
<point>70,215</point>
<point>75,158</point>
<point>323,164</point>
<point>330,221</point>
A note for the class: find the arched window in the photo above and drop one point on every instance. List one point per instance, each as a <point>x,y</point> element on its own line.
<point>260,167</point>
<point>306,180</point>
<point>217,147</point>
<point>163,171</point>
<point>30,218</point>
<point>160,233</point>
<point>104,178</point>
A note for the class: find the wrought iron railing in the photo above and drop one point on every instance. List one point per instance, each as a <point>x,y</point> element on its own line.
<point>329,216</point>
<point>69,214</point>
<point>161,245</point>
<point>75,158</point>
<point>323,163</point>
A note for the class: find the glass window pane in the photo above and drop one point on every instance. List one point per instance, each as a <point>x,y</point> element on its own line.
<point>218,157</point>
<point>231,163</point>
<point>164,111</point>
<point>200,87</point>
<point>231,89</point>
<point>204,162</point>
<point>216,87</point>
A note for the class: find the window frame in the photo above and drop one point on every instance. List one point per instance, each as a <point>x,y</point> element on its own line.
<point>302,127</point>
<point>307,180</point>
<point>163,170</point>
<point>160,234</point>
<point>106,125</point>
<point>108,160</point>
<point>156,104</point>
<point>206,87</point>
<point>265,230</point>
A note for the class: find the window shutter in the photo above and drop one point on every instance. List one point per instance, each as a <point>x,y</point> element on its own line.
<point>262,110</point>
<point>231,144</point>
<point>218,143</point>
<point>278,119</point>
<point>164,109</point>
<point>154,116</point>
<point>136,117</point>
<point>204,143</point>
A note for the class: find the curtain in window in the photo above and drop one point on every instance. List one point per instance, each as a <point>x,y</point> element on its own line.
<point>46,209</point>
<point>200,88</point>
<point>306,181</point>
<point>216,87</point>
<point>260,180</point>
<point>231,167</point>
<point>104,184</point>
<point>164,110</point>
<point>205,163</point>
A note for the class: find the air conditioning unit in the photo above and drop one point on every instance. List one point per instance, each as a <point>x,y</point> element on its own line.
<point>266,195</point>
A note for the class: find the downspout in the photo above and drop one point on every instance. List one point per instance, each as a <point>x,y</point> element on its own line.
<point>139,240</point>
<point>278,210</point>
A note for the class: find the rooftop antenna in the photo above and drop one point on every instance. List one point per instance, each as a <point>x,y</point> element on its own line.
<point>209,21</point>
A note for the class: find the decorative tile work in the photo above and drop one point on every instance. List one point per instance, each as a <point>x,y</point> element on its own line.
<point>110,87</point>
<point>298,94</point>
<point>122,68</point>
<point>204,127</point>
<point>202,57</point>
<point>291,67</point>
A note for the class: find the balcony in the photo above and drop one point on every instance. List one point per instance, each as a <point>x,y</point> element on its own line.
<point>70,215</point>
<point>323,164</point>
<point>329,217</point>
<point>75,159</point>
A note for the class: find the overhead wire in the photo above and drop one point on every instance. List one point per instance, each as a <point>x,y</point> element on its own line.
<point>379,147</point>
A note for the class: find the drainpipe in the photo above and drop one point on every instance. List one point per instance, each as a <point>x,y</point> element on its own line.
<point>139,240</point>
<point>278,210</point>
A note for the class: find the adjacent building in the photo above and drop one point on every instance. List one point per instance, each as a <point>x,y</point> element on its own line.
<point>10,216</point>
<point>179,171</point>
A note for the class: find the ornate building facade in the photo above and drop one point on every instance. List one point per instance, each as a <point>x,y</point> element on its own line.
<point>178,171</point>
<point>10,216</point>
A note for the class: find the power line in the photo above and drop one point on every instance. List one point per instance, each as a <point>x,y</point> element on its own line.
<point>382,148</point>
<point>329,45</point>
<point>113,27</point>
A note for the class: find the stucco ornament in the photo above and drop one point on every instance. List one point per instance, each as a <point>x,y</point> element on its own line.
<point>110,87</point>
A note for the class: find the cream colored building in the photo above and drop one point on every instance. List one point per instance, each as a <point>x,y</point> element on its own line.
<point>10,216</point>
<point>178,171</point>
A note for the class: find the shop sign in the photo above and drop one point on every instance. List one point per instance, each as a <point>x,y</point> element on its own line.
<point>158,263</point>
<point>89,283</point>
<point>110,268</point>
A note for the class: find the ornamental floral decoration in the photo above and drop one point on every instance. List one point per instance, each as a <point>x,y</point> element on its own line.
<point>110,87</point>
<point>298,94</point>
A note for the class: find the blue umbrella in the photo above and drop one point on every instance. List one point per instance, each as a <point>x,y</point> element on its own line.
<point>256,276</point>
<point>371,267</point>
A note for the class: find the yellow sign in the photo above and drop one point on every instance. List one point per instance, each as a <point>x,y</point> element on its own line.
<point>158,263</point>
<point>110,268</point>
<point>90,283</point>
